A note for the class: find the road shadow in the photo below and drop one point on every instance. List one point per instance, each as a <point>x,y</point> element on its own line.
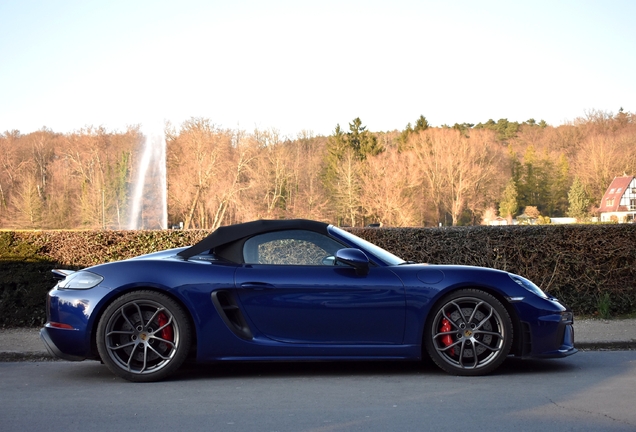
<point>95,371</point>
<point>512,366</point>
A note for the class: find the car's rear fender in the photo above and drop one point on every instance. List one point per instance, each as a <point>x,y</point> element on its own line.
<point>189,286</point>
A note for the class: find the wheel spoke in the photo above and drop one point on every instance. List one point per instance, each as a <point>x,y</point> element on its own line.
<point>164,326</point>
<point>472,315</point>
<point>130,357</point>
<point>436,335</point>
<point>172,344</point>
<point>485,320</point>
<point>158,353</point>
<point>123,314</point>
<point>115,348</point>
<point>485,332</point>
<point>461,314</point>
<point>113,332</point>
<point>493,349</point>
<point>446,315</point>
<point>141,315</point>
<point>444,349</point>
<point>143,368</point>
<point>461,354</point>
<point>154,315</point>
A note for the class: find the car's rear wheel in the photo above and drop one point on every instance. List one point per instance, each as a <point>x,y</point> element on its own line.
<point>143,336</point>
<point>469,333</point>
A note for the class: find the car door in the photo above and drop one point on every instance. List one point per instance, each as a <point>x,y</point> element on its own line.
<point>292,292</point>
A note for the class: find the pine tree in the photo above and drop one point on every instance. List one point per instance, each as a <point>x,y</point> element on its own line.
<point>348,149</point>
<point>578,200</point>
<point>361,141</point>
<point>508,206</point>
<point>421,124</point>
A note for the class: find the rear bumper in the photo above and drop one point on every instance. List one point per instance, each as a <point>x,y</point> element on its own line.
<point>52,347</point>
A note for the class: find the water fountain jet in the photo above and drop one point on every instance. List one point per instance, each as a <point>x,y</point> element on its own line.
<point>148,202</point>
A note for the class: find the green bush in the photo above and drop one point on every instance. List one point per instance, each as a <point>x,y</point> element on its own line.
<point>592,268</point>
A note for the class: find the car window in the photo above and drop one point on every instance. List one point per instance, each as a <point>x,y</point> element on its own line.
<point>292,247</point>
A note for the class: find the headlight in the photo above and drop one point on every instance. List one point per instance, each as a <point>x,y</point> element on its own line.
<point>528,285</point>
<point>80,280</point>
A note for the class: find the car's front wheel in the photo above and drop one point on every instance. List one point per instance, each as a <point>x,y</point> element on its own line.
<point>143,336</point>
<point>469,333</point>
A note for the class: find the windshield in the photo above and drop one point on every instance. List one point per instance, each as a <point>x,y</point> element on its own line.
<point>377,251</point>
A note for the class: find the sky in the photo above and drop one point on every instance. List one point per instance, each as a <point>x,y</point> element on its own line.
<point>296,66</point>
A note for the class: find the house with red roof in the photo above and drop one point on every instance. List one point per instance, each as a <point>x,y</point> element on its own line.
<point>619,202</point>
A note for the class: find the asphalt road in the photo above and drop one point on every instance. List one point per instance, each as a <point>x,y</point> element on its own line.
<point>590,391</point>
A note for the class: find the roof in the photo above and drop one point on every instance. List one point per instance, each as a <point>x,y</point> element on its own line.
<point>612,198</point>
<point>231,233</point>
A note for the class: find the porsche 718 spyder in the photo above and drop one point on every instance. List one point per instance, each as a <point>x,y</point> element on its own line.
<point>289,290</point>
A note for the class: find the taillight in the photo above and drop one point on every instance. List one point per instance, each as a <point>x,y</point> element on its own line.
<point>60,326</point>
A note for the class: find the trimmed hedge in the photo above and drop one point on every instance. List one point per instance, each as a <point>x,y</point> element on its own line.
<point>592,268</point>
<point>27,258</point>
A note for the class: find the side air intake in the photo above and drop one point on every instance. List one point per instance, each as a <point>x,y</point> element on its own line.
<point>231,314</point>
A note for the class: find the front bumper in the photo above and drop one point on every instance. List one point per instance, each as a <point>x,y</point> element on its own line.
<point>549,336</point>
<point>564,339</point>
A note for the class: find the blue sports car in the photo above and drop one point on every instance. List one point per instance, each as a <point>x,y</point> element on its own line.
<point>297,290</point>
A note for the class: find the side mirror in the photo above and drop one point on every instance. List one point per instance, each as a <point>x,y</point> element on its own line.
<point>354,258</point>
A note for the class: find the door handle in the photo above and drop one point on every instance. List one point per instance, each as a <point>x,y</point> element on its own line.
<point>257,285</point>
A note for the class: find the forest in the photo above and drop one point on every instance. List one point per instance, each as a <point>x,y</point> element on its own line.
<point>464,174</point>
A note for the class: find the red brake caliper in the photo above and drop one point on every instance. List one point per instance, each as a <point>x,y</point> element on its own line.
<point>166,333</point>
<point>447,339</point>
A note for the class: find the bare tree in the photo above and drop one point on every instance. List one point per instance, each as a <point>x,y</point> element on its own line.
<point>310,200</point>
<point>27,200</point>
<point>598,162</point>
<point>208,171</point>
<point>234,181</point>
<point>455,170</point>
<point>386,189</point>
<point>273,176</point>
<point>348,187</point>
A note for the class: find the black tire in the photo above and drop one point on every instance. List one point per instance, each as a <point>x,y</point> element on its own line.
<point>469,332</point>
<point>144,336</point>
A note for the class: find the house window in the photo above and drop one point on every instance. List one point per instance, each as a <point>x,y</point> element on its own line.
<point>619,190</point>
<point>609,202</point>
<point>612,190</point>
<point>632,204</point>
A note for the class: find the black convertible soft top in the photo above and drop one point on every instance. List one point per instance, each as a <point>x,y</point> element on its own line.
<point>231,233</point>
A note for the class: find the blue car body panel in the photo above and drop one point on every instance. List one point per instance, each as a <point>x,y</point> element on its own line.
<point>326,305</point>
<point>303,312</point>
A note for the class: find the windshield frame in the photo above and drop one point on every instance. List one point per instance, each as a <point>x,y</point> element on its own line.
<point>378,254</point>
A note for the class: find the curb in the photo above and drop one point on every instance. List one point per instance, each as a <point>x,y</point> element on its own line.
<point>605,346</point>
<point>12,356</point>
